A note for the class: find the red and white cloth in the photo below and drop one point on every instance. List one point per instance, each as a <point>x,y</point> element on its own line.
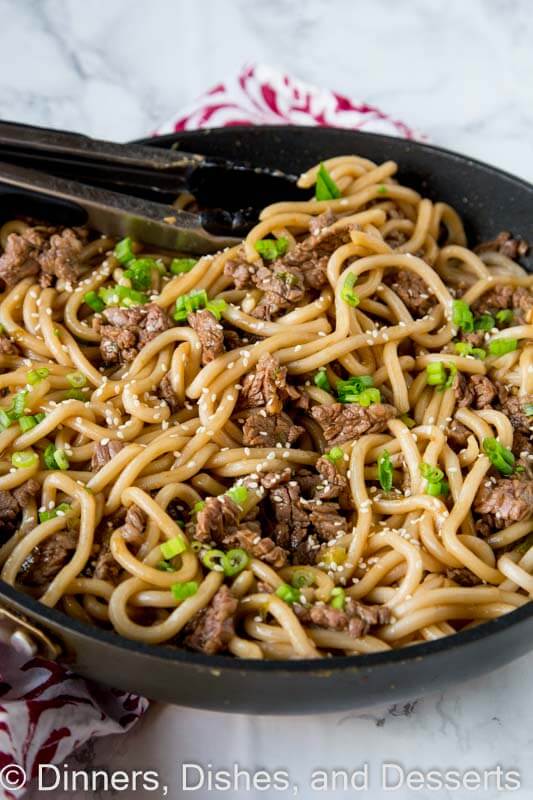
<point>46,712</point>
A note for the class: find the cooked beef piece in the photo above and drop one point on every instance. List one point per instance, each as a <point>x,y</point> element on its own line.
<point>291,520</point>
<point>457,435</point>
<point>333,486</point>
<point>463,576</point>
<point>11,505</point>
<point>47,559</point>
<point>9,514</point>
<point>474,391</point>
<point>324,220</point>
<point>311,256</point>
<point>210,332</point>
<point>282,288</point>
<point>326,520</point>
<point>212,628</point>
<point>218,518</point>
<point>309,482</point>
<point>26,492</point>
<point>133,528</point>
<point>125,331</point>
<point>232,340</point>
<point>502,501</point>
<point>306,552</point>
<point>506,244</point>
<point>513,406</point>
<point>519,299</point>
<point>267,431</point>
<point>106,568</point>
<point>262,547</point>
<point>60,258</point>
<point>357,618</point>
<point>267,386</point>
<point>8,347</point>
<point>166,393</point>
<point>413,291</point>
<point>476,338</point>
<point>103,453</point>
<point>342,422</point>
<point>20,257</point>
<point>271,480</point>
<point>523,449</point>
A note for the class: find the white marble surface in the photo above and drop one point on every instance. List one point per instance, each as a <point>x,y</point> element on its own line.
<point>459,70</point>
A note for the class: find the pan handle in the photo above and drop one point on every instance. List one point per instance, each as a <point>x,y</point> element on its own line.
<point>26,637</point>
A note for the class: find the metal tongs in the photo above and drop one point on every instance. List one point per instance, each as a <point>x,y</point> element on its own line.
<point>127,189</point>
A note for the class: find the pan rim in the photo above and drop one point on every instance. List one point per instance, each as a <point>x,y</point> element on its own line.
<point>334,664</point>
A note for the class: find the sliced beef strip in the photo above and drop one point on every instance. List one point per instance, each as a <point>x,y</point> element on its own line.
<point>218,518</point>
<point>457,436</point>
<point>506,244</point>
<point>474,391</point>
<point>166,393</point>
<point>502,501</point>
<point>210,333</point>
<point>476,338</point>
<point>8,347</point>
<point>9,514</point>
<point>263,430</point>
<point>11,505</point>
<point>311,255</point>
<point>357,618</point>
<point>125,331</point>
<point>47,559</point>
<point>267,386</point>
<point>60,258</point>
<point>513,406</point>
<point>134,524</point>
<point>257,546</point>
<point>463,576</point>
<point>211,630</point>
<point>106,568</point>
<point>342,422</point>
<point>326,520</point>
<point>20,257</point>
<point>290,519</point>
<point>282,289</point>
<point>413,292</point>
<point>103,453</point>
<point>333,485</point>
<point>504,296</point>
<point>26,492</point>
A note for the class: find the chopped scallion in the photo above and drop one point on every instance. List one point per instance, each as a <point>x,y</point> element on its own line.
<point>350,297</point>
<point>288,593</point>
<point>500,347</point>
<point>499,456</point>
<point>173,547</point>
<point>179,266</point>
<point>320,379</point>
<point>23,459</point>
<point>325,187</point>
<point>462,316</point>
<point>272,248</point>
<point>385,471</point>
<point>37,375</point>
<point>181,591</point>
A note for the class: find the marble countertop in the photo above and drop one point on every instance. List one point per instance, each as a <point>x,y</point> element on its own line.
<point>459,71</point>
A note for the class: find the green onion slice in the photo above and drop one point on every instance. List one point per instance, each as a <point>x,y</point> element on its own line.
<point>214,559</point>
<point>500,457</point>
<point>272,248</point>
<point>179,266</point>
<point>123,250</point>
<point>239,494</point>
<point>36,375</point>
<point>499,347</point>
<point>325,187</point>
<point>302,578</point>
<point>288,593</point>
<point>76,379</point>
<point>338,598</point>
<point>320,379</point>
<point>235,561</point>
<point>181,591</point>
<point>347,293</point>
<point>23,459</point>
<point>173,547</point>
<point>94,302</point>
<point>462,316</point>
<point>385,472</point>
<point>335,454</point>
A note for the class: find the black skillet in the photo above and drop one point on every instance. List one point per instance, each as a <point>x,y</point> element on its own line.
<point>489,201</point>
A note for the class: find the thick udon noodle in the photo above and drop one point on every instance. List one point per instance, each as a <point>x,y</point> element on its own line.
<point>400,546</point>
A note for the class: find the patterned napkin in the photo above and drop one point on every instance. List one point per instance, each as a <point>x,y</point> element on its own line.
<point>46,712</point>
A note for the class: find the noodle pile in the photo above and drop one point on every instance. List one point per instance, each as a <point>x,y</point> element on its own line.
<point>414,559</point>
